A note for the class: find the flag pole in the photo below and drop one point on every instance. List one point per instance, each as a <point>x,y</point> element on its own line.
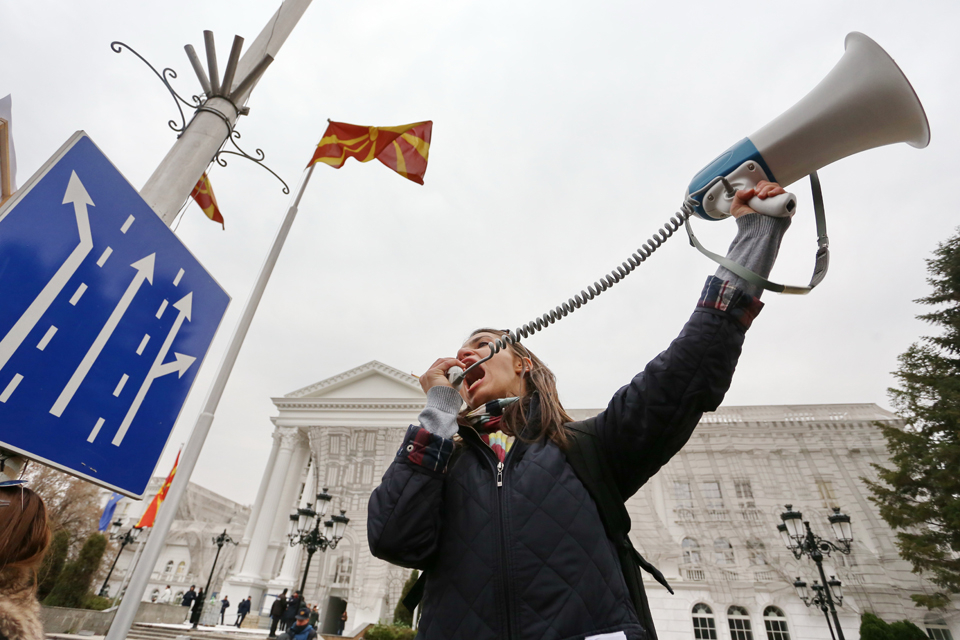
<point>191,453</point>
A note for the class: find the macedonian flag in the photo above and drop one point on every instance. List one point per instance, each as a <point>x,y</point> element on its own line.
<point>404,149</point>
<point>203,194</point>
<point>146,520</point>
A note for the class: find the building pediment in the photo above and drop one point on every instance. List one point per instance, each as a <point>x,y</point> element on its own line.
<point>371,381</point>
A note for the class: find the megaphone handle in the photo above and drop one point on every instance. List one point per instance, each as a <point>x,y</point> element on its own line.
<point>780,206</point>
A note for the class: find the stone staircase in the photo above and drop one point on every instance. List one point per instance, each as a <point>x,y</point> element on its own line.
<point>141,631</point>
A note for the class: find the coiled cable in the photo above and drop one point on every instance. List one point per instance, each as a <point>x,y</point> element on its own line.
<point>622,270</point>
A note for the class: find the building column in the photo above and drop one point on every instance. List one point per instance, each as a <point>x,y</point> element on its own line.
<point>249,580</point>
<point>281,520</point>
<point>258,503</point>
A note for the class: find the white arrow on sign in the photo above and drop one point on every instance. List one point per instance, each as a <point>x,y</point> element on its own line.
<point>181,364</point>
<point>144,269</point>
<point>18,333</point>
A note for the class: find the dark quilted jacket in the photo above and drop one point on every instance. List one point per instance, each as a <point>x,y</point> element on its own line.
<point>520,552</point>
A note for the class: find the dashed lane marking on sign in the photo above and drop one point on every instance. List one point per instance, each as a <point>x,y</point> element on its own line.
<point>75,298</point>
<point>80,199</point>
<point>176,281</point>
<point>144,268</point>
<point>10,388</point>
<point>126,225</point>
<point>119,389</point>
<point>163,307</point>
<point>143,344</point>
<point>184,307</point>
<point>96,430</point>
<point>103,256</point>
<point>47,337</point>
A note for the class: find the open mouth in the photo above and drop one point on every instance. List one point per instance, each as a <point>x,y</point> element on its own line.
<point>474,376</point>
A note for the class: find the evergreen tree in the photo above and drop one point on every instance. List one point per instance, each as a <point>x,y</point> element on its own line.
<point>52,563</point>
<point>402,615</point>
<point>74,584</point>
<point>873,628</point>
<point>919,495</point>
<point>906,630</point>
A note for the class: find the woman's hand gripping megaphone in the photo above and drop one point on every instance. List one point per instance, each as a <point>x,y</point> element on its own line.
<point>768,198</point>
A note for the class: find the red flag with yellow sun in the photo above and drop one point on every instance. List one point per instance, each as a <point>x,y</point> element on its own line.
<point>203,194</point>
<point>146,520</point>
<point>404,149</point>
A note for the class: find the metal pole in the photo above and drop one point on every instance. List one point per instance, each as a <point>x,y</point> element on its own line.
<point>191,452</point>
<point>103,589</point>
<point>206,591</point>
<point>828,596</point>
<point>174,178</point>
<point>306,570</point>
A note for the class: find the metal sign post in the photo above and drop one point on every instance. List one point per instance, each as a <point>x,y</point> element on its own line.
<point>166,191</point>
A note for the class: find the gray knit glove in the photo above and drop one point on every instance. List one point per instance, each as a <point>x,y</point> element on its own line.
<point>755,247</point>
<point>439,417</point>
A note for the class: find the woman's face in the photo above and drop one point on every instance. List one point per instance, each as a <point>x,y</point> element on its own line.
<point>499,377</point>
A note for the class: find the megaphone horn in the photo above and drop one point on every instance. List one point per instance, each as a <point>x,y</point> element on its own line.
<point>864,102</point>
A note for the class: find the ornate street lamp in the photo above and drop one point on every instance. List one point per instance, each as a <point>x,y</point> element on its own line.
<point>305,530</point>
<point>220,540</point>
<point>125,538</point>
<point>800,540</point>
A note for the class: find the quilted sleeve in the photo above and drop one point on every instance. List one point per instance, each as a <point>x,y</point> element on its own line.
<point>650,419</point>
<point>403,523</point>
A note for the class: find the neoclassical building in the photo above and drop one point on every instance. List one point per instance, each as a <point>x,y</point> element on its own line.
<point>708,520</point>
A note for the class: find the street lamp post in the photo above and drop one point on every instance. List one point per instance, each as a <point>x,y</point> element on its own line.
<point>125,539</point>
<point>305,530</point>
<point>801,541</point>
<point>220,540</point>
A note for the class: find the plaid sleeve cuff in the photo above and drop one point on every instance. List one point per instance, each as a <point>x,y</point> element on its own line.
<point>425,449</point>
<point>721,295</point>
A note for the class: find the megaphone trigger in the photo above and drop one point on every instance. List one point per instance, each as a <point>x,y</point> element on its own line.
<point>455,376</point>
<point>781,206</point>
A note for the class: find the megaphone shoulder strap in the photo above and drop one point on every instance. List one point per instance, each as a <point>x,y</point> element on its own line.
<point>821,264</point>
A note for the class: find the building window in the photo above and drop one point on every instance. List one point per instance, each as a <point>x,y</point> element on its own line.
<point>331,476</point>
<point>739,621</point>
<point>367,477</point>
<point>937,628</point>
<point>342,570</point>
<point>334,445</point>
<point>704,627</point>
<point>722,552</point>
<point>682,495</point>
<point>825,488</point>
<point>757,551</point>
<point>371,443</point>
<point>776,624</point>
<point>169,568</point>
<point>744,494</point>
<point>181,568</point>
<point>711,494</point>
<point>691,551</point>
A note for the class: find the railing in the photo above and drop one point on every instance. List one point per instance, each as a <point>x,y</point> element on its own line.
<point>764,576</point>
<point>696,575</point>
<point>750,515</point>
<point>718,514</point>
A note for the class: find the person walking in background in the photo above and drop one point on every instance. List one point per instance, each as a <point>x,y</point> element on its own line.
<point>314,617</point>
<point>242,610</point>
<point>277,609</point>
<point>24,537</point>
<point>167,596</point>
<point>293,606</point>
<point>197,608</point>
<point>224,605</point>
<point>189,597</point>
<point>343,622</point>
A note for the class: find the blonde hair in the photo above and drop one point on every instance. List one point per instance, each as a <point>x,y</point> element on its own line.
<point>540,381</point>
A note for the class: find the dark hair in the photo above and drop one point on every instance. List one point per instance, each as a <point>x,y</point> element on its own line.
<point>539,381</point>
<point>24,534</point>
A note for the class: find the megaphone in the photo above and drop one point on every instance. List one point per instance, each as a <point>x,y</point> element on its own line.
<point>864,102</point>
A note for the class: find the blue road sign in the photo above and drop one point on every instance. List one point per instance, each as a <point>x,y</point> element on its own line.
<point>105,318</point>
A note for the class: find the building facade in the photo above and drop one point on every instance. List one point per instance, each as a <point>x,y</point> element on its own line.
<point>707,520</point>
<point>189,551</point>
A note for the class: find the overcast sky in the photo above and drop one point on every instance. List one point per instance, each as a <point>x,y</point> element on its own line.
<point>564,135</point>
